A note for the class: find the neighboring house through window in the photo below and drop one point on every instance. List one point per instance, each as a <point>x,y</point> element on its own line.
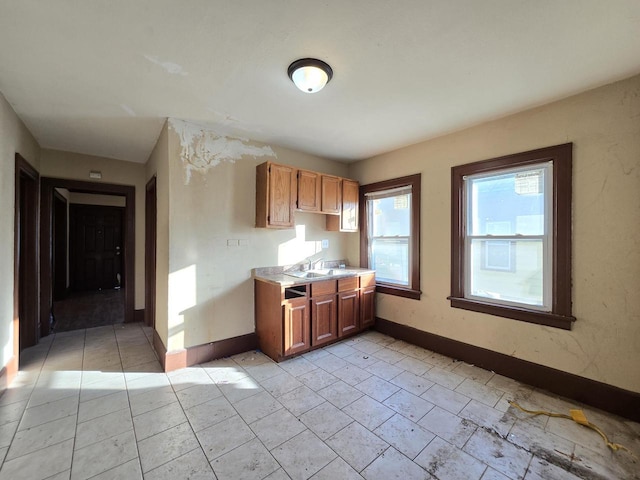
<point>390,234</point>
<point>511,236</point>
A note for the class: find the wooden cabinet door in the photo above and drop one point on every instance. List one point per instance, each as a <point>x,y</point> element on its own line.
<point>350,200</point>
<point>282,196</point>
<point>324,319</point>
<point>367,306</point>
<point>330,194</point>
<point>308,191</point>
<point>295,313</point>
<point>348,312</point>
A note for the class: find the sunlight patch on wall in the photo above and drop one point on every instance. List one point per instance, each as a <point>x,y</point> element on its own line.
<point>182,297</point>
<point>201,149</point>
<point>297,249</point>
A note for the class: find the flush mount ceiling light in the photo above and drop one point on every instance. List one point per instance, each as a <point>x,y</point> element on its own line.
<point>309,74</point>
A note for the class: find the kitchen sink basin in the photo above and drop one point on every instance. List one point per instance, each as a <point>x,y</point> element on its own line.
<point>310,273</point>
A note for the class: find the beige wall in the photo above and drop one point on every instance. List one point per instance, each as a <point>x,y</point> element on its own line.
<point>604,126</point>
<point>76,166</point>
<point>14,137</point>
<point>95,199</point>
<point>212,205</point>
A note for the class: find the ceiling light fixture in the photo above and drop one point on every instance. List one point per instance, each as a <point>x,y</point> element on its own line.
<point>309,74</point>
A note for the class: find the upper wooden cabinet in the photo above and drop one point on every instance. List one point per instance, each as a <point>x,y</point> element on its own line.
<point>309,187</point>
<point>276,195</point>
<point>348,219</point>
<point>281,190</point>
<point>331,194</point>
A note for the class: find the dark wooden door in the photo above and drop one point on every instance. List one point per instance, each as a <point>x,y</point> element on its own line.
<point>26,255</point>
<point>96,247</point>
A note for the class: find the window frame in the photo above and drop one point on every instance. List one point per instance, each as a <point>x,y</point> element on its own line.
<point>413,289</point>
<point>560,315</point>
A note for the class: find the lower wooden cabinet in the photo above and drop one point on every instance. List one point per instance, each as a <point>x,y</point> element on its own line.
<point>324,319</point>
<point>367,300</point>
<point>348,313</point>
<point>293,320</point>
<point>367,307</point>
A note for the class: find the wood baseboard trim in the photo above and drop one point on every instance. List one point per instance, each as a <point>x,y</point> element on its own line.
<point>186,357</point>
<point>138,315</point>
<point>600,395</point>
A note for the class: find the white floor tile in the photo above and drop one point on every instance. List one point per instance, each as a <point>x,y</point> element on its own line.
<point>247,462</point>
<point>303,455</point>
<point>357,445</point>
<point>461,425</point>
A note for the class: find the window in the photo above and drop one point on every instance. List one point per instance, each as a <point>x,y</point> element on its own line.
<point>390,234</point>
<point>511,236</point>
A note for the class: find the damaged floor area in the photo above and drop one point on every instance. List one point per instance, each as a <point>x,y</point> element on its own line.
<point>95,404</point>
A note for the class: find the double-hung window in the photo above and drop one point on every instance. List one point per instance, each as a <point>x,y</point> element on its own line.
<point>390,241</point>
<point>511,231</point>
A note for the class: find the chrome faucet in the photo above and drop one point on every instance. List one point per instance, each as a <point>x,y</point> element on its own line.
<point>311,264</point>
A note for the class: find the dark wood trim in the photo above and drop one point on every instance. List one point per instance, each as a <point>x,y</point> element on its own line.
<point>560,316</point>
<point>398,291</point>
<point>47,186</point>
<point>186,357</point>
<point>600,395</point>
<point>138,315</point>
<point>161,350</point>
<point>150,248</point>
<point>25,272</point>
<point>413,291</point>
<point>523,314</point>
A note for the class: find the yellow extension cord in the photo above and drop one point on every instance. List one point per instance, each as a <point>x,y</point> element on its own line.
<point>579,417</point>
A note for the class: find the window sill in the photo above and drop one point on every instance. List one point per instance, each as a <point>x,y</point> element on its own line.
<point>522,314</point>
<point>398,291</point>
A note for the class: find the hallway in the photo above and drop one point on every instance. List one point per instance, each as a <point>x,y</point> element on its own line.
<point>95,404</point>
<point>80,310</point>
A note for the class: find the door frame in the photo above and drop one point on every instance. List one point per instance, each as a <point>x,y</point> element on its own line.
<point>47,186</point>
<point>26,261</point>
<point>151,227</point>
<point>60,252</point>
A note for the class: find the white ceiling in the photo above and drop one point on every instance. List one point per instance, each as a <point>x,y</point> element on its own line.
<point>100,77</point>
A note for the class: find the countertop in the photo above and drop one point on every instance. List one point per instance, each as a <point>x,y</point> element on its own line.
<point>287,280</point>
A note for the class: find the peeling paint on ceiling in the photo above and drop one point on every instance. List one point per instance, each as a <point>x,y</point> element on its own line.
<point>202,149</point>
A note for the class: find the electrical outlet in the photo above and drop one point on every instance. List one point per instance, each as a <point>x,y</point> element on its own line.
<point>325,243</point>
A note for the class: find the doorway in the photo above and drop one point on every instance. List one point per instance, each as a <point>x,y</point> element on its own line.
<point>102,280</point>
<point>25,298</point>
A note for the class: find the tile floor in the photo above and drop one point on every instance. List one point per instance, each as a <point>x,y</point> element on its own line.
<point>94,404</point>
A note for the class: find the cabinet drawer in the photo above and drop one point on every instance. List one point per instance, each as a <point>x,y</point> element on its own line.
<point>325,287</point>
<point>368,280</point>
<point>346,284</point>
